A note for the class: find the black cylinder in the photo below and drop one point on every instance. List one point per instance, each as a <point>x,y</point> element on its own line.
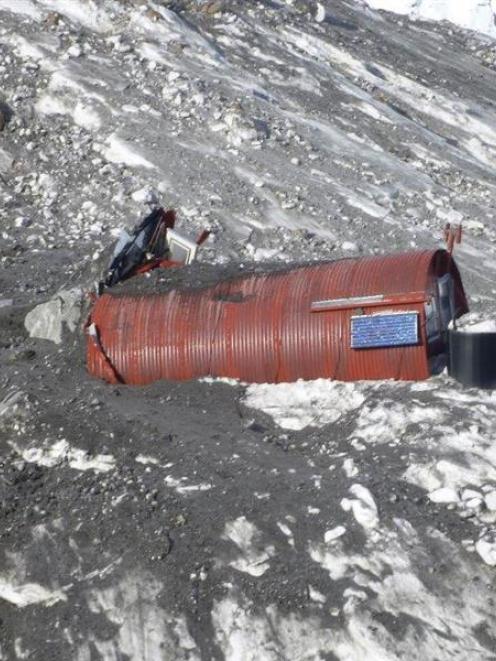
<point>472,358</point>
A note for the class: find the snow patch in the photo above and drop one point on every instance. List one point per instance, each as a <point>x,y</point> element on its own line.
<point>61,452</point>
<point>333,534</point>
<point>473,322</point>
<point>477,15</point>
<point>182,488</point>
<point>90,14</point>
<point>304,403</point>
<point>122,152</point>
<point>86,117</point>
<point>393,576</point>
<point>28,594</point>
<point>254,557</point>
<point>141,629</point>
<point>25,7</point>
<point>363,506</point>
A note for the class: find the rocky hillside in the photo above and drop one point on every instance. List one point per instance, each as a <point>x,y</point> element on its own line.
<point>218,520</point>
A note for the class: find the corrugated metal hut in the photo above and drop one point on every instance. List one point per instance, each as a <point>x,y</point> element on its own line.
<point>380,317</point>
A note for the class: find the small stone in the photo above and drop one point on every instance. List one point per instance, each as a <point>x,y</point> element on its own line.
<point>22,221</point>
<point>145,196</point>
<point>213,7</point>
<point>153,15</point>
<point>175,47</point>
<point>52,19</point>
<point>74,51</point>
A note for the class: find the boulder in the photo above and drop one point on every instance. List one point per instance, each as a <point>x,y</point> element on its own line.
<point>48,320</point>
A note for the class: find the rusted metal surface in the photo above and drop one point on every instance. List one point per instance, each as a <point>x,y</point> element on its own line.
<point>261,328</point>
<point>452,236</point>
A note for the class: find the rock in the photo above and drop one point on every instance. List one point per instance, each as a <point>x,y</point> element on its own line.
<point>153,15</point>
<point>486,548</point>
<point>212,7</point>
<point>22,355</point>
<point>74,51</point>
<point>468,494</point>
<point>473,503</point>
<point>444,495</point>
<point>3,120</point>
<point>475,227</point>
<point>47,321</point>
<point>320,14</point>
<point>6,161</point>
<point>145,196</point>
<point>22,221</point>
<point>490,500</point>
<point>52,19</point>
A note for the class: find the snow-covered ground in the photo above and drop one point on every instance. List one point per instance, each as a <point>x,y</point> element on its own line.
<point>214,520</point>
<point>477,15</point>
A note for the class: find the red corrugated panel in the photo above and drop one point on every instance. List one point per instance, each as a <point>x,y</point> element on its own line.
<point>260,328</point>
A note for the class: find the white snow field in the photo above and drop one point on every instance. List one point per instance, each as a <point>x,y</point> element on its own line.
<point>477,15</point>
<point>313,521</point>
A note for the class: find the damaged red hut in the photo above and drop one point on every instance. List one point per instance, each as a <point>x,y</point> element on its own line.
<point>379,317</point>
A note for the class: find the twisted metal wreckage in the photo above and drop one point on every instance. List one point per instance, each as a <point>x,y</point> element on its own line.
<point>378,317</point>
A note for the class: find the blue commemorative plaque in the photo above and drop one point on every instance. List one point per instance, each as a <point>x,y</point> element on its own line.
<point>384,330</point>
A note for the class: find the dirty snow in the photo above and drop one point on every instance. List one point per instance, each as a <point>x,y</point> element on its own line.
<point>61,452</point>
<point>253,558</point>
<point>298,405</point>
